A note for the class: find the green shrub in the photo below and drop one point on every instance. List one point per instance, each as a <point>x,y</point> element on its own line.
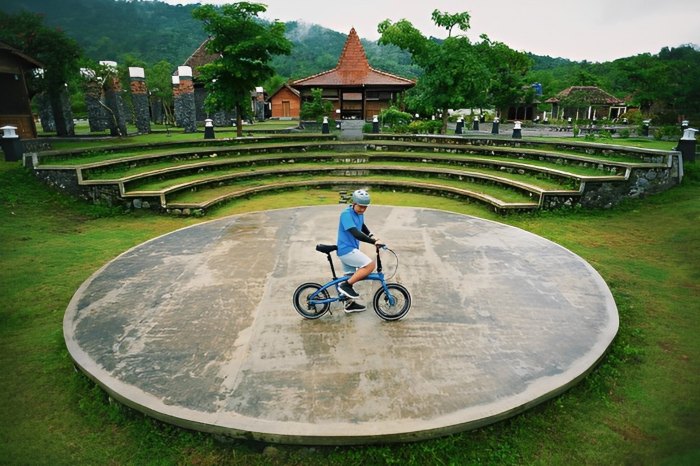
<point>667,132</point>
<point>423,127</point>
<point>392,117</point>
<point>316,108</point>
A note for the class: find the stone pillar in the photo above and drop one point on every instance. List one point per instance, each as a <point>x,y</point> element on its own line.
<point>157,114</point>
<point>185,110</point>
<point>92,87</point>
<point>259,104</point>
<point>460,125</point>
<point>645,127</point>
<point>494,127</point>
<point>113,100</point>
<point>139,96</point>
<point>176,99</point>
<point>475,123</point>
<point>517,130</point>
<point>63,113</point>
<point>48,124</point>
<point>687,145</point>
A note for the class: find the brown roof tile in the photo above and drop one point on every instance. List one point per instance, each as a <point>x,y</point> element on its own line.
<point>590,94</point>
<point>353,70</point>
<point>198,58</point>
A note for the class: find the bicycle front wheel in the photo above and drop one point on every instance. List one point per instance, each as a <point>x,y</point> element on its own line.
<point>302,302</point>
<point>400,297</point>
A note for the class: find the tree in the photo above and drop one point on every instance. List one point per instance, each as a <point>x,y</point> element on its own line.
<point>245,46</point>
<point>453,77</point>
<point>508,70</point>
<point>316,108</point>
<point>59,54</point>
<point>159,82</point>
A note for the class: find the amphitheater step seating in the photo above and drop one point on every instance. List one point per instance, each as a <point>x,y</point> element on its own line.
<point>504,175</point>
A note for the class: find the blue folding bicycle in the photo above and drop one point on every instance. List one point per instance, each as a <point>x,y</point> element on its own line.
<point>392,301</point>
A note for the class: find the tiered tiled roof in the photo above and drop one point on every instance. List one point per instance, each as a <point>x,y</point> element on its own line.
<point>198,58</point>
<point>353,70</point>
<point>590,94</point>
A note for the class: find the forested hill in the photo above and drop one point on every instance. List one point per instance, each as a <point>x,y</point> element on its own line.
<point>145,33</point>
<point>152,31</point>
<point>111,29</point>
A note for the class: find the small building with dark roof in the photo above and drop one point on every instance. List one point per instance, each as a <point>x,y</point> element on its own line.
<point>353,86</point>
<point>586,102</point>
<point>15,107</point>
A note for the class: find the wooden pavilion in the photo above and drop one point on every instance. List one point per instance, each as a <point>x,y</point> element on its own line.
<point>353,86</point>
<point>586,102</point>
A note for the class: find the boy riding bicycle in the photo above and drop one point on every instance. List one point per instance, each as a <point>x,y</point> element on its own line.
<point>352,230</point>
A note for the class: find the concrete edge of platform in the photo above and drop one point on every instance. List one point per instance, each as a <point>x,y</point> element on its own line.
<point>240,427</point>
<point>237,426</point>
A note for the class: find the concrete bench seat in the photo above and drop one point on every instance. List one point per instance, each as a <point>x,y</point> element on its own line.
<point>499,206</point>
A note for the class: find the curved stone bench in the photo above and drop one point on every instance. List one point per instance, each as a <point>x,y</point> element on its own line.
<point>585,148</point>
<point>187,208</point>
<point>52,156</point>
<point>527,190</point>
<point>213,166</point>
<point>620,179</point>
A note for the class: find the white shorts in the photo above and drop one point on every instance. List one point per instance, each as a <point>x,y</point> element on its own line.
<point>354,260</point>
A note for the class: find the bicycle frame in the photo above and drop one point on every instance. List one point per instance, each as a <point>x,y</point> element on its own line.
<point>375,276</point>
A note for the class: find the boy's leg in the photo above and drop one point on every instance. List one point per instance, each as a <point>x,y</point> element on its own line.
<point>361,273</point>
<point>357,263</point>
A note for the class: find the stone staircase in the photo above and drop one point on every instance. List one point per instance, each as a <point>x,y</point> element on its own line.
<point>189,178</point>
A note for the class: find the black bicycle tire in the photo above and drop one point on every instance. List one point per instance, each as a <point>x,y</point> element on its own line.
<point>301,305</point>
<point>380,299</point>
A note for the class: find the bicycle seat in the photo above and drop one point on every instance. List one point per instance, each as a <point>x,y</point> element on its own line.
<point>326,248</point>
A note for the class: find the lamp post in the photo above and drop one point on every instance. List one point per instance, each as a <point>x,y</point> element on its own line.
<point>460,125</point>
<point>517,130</point>
<point>11,144</point>
<point>687,144</point>
<point>208,128</point>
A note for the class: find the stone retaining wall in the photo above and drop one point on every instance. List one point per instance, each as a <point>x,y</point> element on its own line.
<point>640,181</point>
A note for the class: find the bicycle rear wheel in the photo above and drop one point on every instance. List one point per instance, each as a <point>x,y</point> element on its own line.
<point>304,307</point>
<point>401,298</point>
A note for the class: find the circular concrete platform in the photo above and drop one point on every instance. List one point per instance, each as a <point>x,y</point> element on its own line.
<point>197,328</point>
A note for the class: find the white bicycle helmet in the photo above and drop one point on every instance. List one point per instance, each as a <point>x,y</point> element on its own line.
<point>360,197</point>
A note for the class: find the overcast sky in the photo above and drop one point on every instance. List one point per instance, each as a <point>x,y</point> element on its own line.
<point>593,30</point>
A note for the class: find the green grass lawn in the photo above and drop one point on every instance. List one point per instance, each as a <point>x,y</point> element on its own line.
<point>640,406</point>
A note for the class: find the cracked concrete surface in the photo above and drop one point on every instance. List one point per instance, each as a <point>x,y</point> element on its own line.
<point>197,328</point>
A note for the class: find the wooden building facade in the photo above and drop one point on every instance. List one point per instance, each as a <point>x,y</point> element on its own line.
<point>286,102</point>
<point>15,107</point>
